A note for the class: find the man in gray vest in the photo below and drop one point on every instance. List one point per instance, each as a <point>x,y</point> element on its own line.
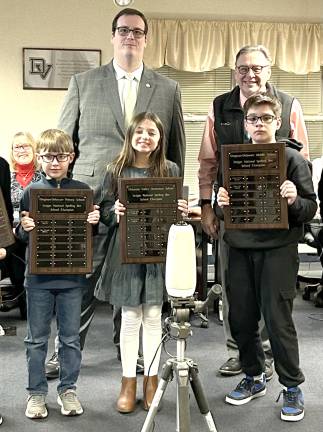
<point>224,125</point>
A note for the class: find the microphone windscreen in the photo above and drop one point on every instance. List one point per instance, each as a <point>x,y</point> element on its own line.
<point>181,261</point>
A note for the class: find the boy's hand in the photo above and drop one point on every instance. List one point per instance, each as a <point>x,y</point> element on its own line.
<point>222,197</point>
<point>94,216</point>
<point>27,222</point>
<point>3,253</point>
<point>288,190</point>
<point>183,207</point>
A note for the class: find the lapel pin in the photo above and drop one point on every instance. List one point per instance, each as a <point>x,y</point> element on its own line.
<point>147,85</point>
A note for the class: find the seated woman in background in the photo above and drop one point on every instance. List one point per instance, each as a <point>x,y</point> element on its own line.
<point>23,171</point>
<point>5,189</point>
<point>23,167</point>
<point>137,288</point>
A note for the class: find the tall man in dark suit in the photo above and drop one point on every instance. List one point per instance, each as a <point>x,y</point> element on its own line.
<point>93,113</point>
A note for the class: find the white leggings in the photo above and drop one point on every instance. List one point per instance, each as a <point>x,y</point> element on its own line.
<point>132,318</point>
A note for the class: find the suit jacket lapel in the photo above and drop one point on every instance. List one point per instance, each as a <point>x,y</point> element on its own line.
<point>112,94</point>
<point>145,92</point>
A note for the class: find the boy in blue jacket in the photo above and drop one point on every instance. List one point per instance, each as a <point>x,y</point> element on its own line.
<point>263,266</point>
<point>46,293</point>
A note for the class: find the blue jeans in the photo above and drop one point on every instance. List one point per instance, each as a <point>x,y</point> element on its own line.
<point>40,307</point>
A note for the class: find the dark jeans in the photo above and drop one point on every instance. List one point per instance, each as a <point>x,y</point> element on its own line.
<point>264,281</point>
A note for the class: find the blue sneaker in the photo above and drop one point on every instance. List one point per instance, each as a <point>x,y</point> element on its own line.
<point>293,404</point>
<point>246,390</point>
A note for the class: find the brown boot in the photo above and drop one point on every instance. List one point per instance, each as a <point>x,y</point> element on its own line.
<point>149,389</point>
<point>127,399</point>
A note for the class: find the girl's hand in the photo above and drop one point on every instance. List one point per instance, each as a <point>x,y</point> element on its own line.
<point>182,207</point>
<point>119,209</point>
<point>94,216</point>
<point>288,190</point>
<point>27,222</point>
<point>222,197</point>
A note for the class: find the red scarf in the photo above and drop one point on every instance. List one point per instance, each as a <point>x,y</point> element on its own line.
<point>24,173</point>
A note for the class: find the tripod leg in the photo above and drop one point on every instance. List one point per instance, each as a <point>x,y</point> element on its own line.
<point>200,398</point>
<point>166,376</point>
<point>183,399</point>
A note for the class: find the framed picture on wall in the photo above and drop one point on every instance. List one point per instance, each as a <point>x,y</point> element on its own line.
<point>52,69</point>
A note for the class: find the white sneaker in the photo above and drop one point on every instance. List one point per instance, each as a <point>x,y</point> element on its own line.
<point>69,403</point>
<point>36,407</point>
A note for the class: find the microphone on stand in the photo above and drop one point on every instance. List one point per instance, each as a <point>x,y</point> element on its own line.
<point>180,277</point>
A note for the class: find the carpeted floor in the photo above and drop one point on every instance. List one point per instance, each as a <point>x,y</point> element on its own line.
<point>99,382</point>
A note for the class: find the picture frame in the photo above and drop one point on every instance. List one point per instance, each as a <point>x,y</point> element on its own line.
<point>52,68</point>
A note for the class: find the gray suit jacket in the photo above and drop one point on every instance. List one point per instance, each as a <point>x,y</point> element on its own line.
<point>92,115</point>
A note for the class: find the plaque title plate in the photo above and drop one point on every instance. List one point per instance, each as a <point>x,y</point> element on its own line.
<point>6,235</point>
<point>252,175</point>
<point>61,242</point>
<point>151,209</point>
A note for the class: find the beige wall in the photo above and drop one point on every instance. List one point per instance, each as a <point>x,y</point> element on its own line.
<point>87,24</point>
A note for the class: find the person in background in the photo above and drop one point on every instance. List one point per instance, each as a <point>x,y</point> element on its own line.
<point>5,189</point>
<point>262,271</point>
<point>55,153</point>
<point>137,288</point>
<point>23,171</point>
<point>96,112</point>
<point>225,125</point>
<point>24,168</point>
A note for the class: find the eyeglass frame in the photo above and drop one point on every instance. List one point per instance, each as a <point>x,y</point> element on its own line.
<point>252,67</point>
<point>128,30</point>
<point>53,157</point>
<point>273,117</point>
<point>22,147</point>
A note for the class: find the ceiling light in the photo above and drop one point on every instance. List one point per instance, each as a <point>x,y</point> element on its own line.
<point>122,3</point>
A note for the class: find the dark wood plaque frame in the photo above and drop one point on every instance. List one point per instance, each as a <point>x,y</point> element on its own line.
<point>143,235</point>
<point>6,234</point>
<point>255,172</point>
<point>54,228</point>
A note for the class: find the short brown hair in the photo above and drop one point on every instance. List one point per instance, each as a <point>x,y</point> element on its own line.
<point>263,99</point>
<point>55,140</point>
<point>129,11</point>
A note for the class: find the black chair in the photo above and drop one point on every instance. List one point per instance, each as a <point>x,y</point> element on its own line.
<point>313,237</point>
<point>12,291</point>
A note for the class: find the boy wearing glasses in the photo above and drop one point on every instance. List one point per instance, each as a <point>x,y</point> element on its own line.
<point>262,272</point>
<point>45,293</point>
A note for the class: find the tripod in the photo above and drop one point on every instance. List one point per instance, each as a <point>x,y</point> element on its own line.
<point>186,371</point>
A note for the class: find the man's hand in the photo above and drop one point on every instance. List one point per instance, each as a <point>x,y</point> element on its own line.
<point>209,221</point>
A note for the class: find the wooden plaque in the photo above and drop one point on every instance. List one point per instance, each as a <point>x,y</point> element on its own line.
<point>253,174</point>
<point>61,242</point>
<point>151,209</point>
<point>6,235</point>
